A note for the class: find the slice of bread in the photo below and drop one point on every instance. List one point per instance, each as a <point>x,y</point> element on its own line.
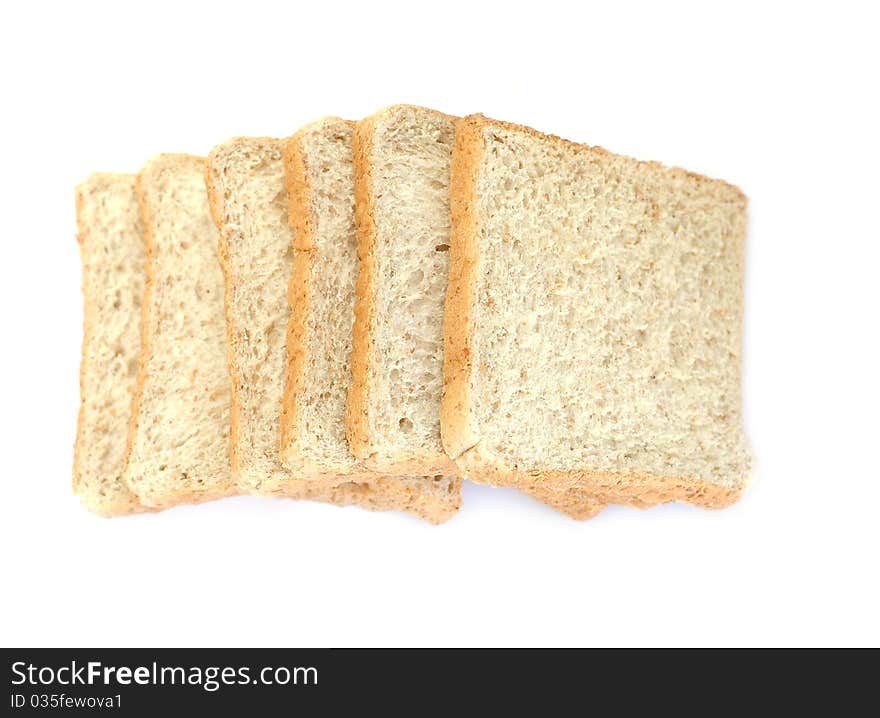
<point>402,157</point>
<point>249,202</point>
<point>178,442</point>
<point>110,234</point>
<point>320,182</point>
<point>593,321</point>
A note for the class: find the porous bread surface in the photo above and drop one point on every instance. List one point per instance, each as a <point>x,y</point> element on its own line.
<point>402,157</point>
<point>599,307</point>
<point>249,203</point>
<point>320,178</point>
<point>178,442</point>
<point>110,235</point>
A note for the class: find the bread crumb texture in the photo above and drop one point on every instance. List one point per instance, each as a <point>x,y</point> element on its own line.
<point>249,202</point>
<point>403,160</point>
<point>402,164</point>
<point>245,177</point>
<point>601,307</point>
<point>321,182</point>
<point>178,444</point>
<point>110,235</point>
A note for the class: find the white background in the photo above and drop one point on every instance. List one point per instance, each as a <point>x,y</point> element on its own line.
<point>777,98</point>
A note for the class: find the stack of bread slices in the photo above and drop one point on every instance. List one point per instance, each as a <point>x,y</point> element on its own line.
<point>365,313</point>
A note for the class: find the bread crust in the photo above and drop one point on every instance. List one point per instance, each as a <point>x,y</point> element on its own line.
<point>138,484</point>
<point>378,493</point>
<point>130,504</point>
<point>637,490</point>
<point>249,479</point>
<point>479,122</point>
<point>456,429</point>
<point>302,221</point>
<point>365,489</point>
<point>577,505</point>
<point>461,436</point>
<point>357,418</point>
<point>357,427</point>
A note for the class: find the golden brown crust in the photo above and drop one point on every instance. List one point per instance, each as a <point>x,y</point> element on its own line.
<point>456,429</point>
<point>303,222</point>
<point>481,121</point>
<point>460,436</point>
<point>101,508</point>
<point>638,490</point>
<point>574,504</point>
<point>363,346</point>
<point>456,317</point>
<point>374,493</point>
<point>357,427</point>
<point>291,413</point>
<point>300,215</point>
<point>247,478</point>
<point>364,489</point>
<point>298,297</point>
<point>386,493</point>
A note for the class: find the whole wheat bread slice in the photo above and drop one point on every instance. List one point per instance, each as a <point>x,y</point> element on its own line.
<point>110,235</point>
<point>593,321</point>
<point>402,157</point>
<point>178,442</point>
<point>320,182</point>
<point>249,202</point>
